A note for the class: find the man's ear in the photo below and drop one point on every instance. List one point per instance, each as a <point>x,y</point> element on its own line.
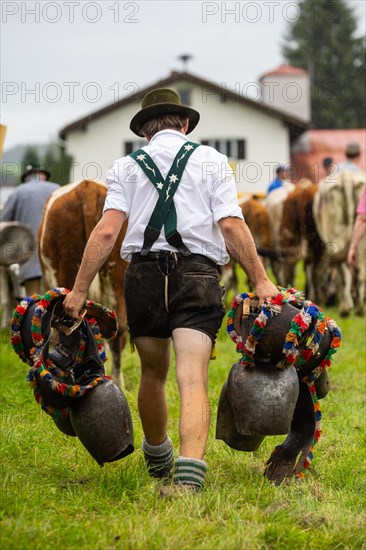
<point>186,125</point>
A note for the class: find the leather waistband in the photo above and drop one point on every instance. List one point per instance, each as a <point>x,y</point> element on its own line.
<point>162,255</point>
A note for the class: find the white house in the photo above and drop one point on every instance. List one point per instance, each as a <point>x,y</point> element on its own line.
<point>256,136</point>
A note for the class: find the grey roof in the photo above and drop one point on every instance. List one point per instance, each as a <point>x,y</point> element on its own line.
<point>297,126</point>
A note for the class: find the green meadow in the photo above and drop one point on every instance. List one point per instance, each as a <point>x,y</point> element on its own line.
<point>54,496</point>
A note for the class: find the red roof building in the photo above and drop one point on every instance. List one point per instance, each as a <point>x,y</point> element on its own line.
<point>313,146</point>
<point>285,70</point>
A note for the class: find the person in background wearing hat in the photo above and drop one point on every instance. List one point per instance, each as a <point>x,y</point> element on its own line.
<point>25,205</point>
<point>353,153</point>
<point>172,285</point>
<point>281,176</point>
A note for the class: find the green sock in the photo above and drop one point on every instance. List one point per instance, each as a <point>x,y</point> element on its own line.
<point>190,471</point>
<point>159,458</point>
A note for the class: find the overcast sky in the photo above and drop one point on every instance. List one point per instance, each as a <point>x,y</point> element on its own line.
<point>62,60</point>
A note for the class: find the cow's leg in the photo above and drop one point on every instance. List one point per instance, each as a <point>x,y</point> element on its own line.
<point>6,297</point>
<point>229,281</point>
<point>309,278</point>
<point>288,273</point>
<point>281,463</point>
<point>116,346</point>
<point>359,297</point>
<point>277,271</point>
<point>345,290</point>
<point>315,275</point>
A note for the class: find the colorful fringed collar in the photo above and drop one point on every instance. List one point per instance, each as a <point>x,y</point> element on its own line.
<point>300,324</point>
<point>309,315</point>
<point>56,379</point>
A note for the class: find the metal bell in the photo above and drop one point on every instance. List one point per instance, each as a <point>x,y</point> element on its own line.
<point>17,243</point>
<point>102,421</point>
<point>226,427</point>
<point>262,398</point>
<point>64,425</point>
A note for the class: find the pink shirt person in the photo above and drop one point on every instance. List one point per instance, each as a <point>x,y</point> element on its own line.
<point>359,230</point>
<point>361,207</point>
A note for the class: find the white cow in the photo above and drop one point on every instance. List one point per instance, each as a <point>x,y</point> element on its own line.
<point>274,202</point>
<point>334,210</point>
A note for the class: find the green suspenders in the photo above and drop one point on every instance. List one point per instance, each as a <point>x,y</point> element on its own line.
<point>164,213</point>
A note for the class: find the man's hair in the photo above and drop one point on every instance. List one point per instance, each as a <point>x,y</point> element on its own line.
<point>173,121</point>
<point>327,161</point>
<point>352,150</point>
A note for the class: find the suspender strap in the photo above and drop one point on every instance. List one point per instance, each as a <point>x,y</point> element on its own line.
<point>164,213</point>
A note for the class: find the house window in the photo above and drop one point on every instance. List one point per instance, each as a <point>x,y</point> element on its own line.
<point>232,148</point>
<point>128,147</point>
<point>185,96</point>
<point>228,148</point>
<point>131,146</point>
<point>241,149</point>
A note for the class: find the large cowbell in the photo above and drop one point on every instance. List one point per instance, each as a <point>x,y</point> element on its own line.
<point>261,400</point>
<point>256,402</point>
<point>100,418</point>
<point>102,421</point>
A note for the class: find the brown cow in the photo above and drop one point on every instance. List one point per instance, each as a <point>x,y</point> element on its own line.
<point>69,217</point>
<point>300,238</point>
<point>257,219</point>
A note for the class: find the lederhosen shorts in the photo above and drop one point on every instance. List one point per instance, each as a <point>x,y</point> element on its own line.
<point>167,290</point>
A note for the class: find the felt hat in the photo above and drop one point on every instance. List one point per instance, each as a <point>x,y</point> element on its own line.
<point>159,102</point>
<point>36,169</point>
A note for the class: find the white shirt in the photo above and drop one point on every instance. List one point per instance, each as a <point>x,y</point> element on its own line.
<point>206,194</point>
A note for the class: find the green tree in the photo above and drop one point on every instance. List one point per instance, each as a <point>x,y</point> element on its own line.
<point>30,157</point>
<point>51,163</point>
<point>66,161</point>
<point>323,41</point>
<point>58,163</point>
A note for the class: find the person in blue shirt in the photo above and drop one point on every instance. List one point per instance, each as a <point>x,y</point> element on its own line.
<point>25,205</point>
<point>281,175</point>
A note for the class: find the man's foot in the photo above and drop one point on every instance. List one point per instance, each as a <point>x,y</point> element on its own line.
<point>190,471</point>
<point>159,458</point>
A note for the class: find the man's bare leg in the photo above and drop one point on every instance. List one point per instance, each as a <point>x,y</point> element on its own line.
<point>192,352</point>
<point>155,361</point>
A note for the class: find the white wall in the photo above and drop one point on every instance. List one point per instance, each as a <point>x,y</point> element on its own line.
<point>290,94</point>
<point>267,138</point>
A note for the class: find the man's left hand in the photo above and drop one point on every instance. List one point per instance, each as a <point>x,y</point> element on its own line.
<point>265,291</point>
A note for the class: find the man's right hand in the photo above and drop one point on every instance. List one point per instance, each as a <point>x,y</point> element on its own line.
<point>74,304</point>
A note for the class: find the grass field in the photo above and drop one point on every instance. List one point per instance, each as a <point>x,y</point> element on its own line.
<point>54,496</point>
